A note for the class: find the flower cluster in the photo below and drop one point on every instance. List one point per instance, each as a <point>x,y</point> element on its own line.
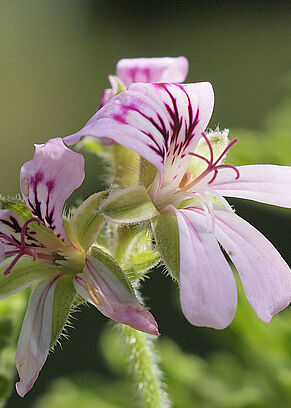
<point>177,195</point>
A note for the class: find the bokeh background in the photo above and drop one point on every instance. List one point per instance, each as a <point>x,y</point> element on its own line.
<point>55,59</point>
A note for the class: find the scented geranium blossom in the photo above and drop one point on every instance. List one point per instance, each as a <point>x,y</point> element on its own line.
<point>165,124</point>
<point>38,246</point>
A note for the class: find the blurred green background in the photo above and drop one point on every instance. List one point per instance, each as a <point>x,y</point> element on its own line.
<point>55,59</point>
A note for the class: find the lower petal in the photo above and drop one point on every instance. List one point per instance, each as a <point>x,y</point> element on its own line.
<point>207,286</point>
<point>103,286</point>
<point>265,276</point>
<point>35,337</point>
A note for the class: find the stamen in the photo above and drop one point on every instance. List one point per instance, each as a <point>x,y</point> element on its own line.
<point>21,248</point>
<point>94,295</point>
<point>212,166</point>
<point>209,147</point>
<point>24,229</point>
<point>185,179</point>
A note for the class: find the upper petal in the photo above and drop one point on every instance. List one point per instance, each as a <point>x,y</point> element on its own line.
<point>207,286</point>
<point>48,180</point>
<point>35,337</point>
<point>152,70</point>
<point>265,276</point>
<point>157,121</point>
<point>265,183</point>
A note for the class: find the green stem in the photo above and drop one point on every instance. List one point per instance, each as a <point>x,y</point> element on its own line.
<point>142,360</point>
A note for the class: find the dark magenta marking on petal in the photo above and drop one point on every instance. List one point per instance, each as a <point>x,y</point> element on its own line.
<point>119,118</point>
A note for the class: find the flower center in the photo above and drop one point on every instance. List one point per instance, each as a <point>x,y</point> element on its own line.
<point>191,188</point>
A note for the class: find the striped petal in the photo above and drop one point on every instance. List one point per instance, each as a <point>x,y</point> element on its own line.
<point>35,337</point>
<point>152,70</point>
<point>48,180</point>
<point>160,122</point>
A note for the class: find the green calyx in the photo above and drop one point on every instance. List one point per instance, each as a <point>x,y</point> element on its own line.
<point>129,206</point>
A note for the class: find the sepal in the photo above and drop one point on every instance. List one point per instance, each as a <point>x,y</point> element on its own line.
<point>166,234</point>
<point>125,166</point>
<point>128,206</point>
<point>64,298</point>
<point>87,222</point>
<point>147,173</point>
<point>25,273</point>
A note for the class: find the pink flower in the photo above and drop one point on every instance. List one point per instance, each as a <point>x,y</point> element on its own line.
<point>165,124</point>
<point>145,70</point>
<point>42,248</point>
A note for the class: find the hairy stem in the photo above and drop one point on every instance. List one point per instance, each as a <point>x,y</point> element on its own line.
<point>143,363</point>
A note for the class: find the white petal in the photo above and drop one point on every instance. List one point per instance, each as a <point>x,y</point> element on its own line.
<point>35,337</point>
<point>264,183</point>
<point>207,286</point>
<point>265,276</point>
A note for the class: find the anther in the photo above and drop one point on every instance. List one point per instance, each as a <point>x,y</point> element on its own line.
<point>94,295</point>
<point>185,179</point>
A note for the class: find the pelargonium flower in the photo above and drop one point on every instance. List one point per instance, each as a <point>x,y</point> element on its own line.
<point>38,246</point>
<point>165,124</point>
<point>143,70</point>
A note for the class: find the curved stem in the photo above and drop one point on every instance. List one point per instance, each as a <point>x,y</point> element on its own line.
<point>143,362</point>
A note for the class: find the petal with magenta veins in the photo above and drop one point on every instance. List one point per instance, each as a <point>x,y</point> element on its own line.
<point>35,337</point>
<point>166,69</point>
<point>37,237</point>
<point>104,285</point>
<point>48,180</point>
<point>265,183</point>
<point>207,286</point>
<point>160,122</point>
<point>265,276</point>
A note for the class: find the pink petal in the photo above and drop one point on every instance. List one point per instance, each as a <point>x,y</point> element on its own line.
<point>207,286</point>
<point>112,298</point>
<point>152,70</point>
<point>48,180</point>
<point>265,183</point>
<point>35,337</point>
<point>265,276</point>
<point>157,121</point>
